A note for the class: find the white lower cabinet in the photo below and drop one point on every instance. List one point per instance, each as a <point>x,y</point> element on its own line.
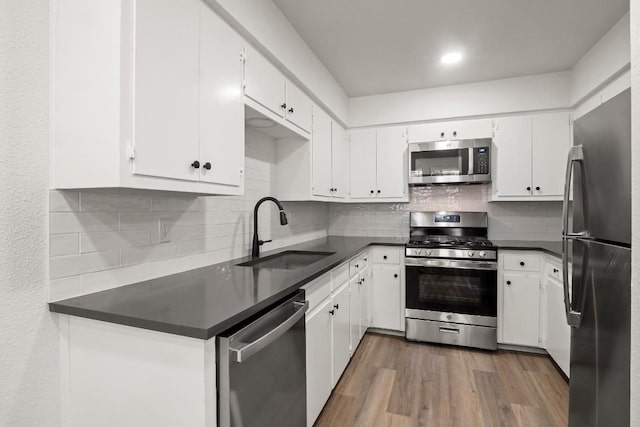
<point>521,312</point>
<point>319,358</point>
<point>341,331</point>
<point>557,333</point>
<point>355,309</point>
<point>386,302</point>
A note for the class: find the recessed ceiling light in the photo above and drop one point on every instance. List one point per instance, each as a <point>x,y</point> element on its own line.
<point>259,122</point>
<point>451,58</point>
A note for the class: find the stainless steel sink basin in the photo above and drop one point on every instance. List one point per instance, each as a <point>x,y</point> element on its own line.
<point>287,260</point>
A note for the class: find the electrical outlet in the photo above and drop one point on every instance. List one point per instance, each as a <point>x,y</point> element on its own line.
<point>164,227</point>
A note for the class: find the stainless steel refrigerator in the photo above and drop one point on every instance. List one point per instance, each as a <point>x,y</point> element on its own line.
<point>597,242</point>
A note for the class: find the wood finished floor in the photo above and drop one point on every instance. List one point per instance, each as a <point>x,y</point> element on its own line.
<point>393,382</point>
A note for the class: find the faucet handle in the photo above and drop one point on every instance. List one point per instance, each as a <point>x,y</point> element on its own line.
<point>262,242</point>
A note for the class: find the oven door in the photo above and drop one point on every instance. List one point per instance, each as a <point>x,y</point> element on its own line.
<point>459,291</point>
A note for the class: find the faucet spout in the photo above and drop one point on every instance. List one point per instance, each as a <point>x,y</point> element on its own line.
<point>255,248</point>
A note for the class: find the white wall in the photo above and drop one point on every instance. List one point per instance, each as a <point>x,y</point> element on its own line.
<point>29,367</point>
<point>507,220</point>
<point>262,22</point>
<point>635,192</point>
<point>608,58</point>
<point>530,93</point>
<point>102,239</point>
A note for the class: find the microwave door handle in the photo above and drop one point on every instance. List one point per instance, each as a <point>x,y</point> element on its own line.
<point>471,161</point>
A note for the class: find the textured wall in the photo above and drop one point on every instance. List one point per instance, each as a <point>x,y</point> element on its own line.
<point>513,220</point>
<point>29,367</point>
<point>101,239</point>
<point>635,165</point>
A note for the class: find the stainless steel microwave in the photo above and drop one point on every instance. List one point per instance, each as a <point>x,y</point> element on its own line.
<point>450,162</point>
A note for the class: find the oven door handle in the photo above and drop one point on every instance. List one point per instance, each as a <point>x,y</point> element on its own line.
<point>448,263</point>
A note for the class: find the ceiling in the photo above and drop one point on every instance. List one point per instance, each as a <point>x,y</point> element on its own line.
<point>381,46</point>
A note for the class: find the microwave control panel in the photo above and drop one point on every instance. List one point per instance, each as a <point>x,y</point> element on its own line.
<point>481,160</point>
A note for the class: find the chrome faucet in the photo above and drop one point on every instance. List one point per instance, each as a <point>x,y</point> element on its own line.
<point>255,249</point>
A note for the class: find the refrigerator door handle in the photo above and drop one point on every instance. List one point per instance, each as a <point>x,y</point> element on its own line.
<point>576,155</point>
<point>573,317</point>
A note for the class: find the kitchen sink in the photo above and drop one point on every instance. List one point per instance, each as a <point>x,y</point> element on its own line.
<point>287,260</point>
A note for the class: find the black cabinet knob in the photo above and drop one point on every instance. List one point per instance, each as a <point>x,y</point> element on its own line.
<point>537,188</point>
<point>372,191</point>
<point>335,189</point>
<point>336,306</point>
<point>508,282</point>
<point>207,166</point>
<point>555,270</point>
<point>455,133</point>
<point>284,105</point>
<point>384,257</point>
<point>522,263</point>
<point>395,276</point>
<point>442,134</point>
<point>195,165</point>
<point>332,312</point>
<point>378,191</point>
<point>356,265</point>
<point>291,110</point>
<point>528,188</point>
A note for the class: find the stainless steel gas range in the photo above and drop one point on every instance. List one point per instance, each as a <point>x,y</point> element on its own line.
<point>451,280</point>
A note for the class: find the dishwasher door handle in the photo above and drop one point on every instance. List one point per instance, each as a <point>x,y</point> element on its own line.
<point>245,350</point>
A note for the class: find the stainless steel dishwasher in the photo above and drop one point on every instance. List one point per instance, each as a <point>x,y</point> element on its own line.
<point>262,369</point>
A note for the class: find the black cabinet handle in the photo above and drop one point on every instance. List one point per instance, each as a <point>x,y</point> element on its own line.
<point>508,282</point>
<point>372,191</point>
<point>366,259</point>
<point>522,263</point>
<point>284,105</point>
<point>332,312</point>
<point>384,257</point>
<point>395,276</point>
<point>455,133</point>
<point>528,188</point>
<point>291,110</point>
<point>442,134</point>
<point>336,306</point>
<point>207,166</point>
<point>356,265</point>
<point>195,164</point>
<point>537,188</point>
<point>378,191</point>
<point>555,270</point>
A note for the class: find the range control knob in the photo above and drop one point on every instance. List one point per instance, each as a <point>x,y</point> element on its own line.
<point>482,254</point>
<point>470,254</point>
<point>428,252</point>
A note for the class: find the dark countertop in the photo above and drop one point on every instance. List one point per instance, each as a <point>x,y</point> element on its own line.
<point>552,248</point>
<point>203,302</point>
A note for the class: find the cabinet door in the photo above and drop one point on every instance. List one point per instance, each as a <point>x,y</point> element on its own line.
<point>355,307</point>
<point>365,300</point>
<point>429,132</point>
<point>558,332</point>
<point>472,129</point>
<point>321,154</point>
<point>385,297</point>
<point>362,164</point>
<point>299,107</point>
<point>391,161</point>
<point>339,160</point>
<point>521,308</point>
<point>550,145</point>
<point>264,83</point>
<point>318,336</point>
<point>512,167</point>
<point>221,101</point>
<point>166,89</point>
<point>341,331</point>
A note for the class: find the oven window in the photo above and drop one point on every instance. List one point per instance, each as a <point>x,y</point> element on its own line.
<point>452,290</point>
<point>440,162</point>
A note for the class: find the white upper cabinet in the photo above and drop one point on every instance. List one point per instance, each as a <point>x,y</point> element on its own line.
<point>378,164</point>
<point>166,88</point>
<point>339,161</point>
<point>467,129</point>
<point>148,95</point>
<point>321,154</point>
<point>529,157</point>
<point>221,101</point>
<point>550,146</point>
<point>264,83</point>
<point>512,157</point>
<point>267,86</point>
<point>299,108</point>
<point>363,163</point>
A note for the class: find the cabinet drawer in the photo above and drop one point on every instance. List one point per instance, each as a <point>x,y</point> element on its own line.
<point>317,290</point>
<point>522,262</point>
<point>386,255</point>
<point>340,275</point>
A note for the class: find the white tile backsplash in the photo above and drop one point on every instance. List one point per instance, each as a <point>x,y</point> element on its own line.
<point>507,221</point>
<point>102,239</point>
